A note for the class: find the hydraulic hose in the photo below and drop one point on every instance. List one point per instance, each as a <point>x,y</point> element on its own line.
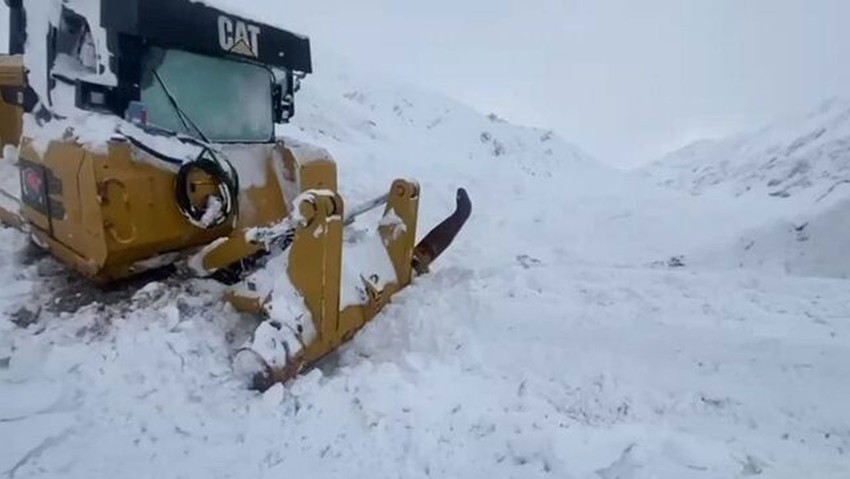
<point>221,172</point>
<point>227,186</point>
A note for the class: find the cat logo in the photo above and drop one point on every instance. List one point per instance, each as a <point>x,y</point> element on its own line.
<point>238,37</point>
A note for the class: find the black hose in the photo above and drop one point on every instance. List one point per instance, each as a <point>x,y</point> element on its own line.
<point>227,185</point>
<point>207,162</point>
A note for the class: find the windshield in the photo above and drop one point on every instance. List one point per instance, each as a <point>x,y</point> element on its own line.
<point>228,100</point>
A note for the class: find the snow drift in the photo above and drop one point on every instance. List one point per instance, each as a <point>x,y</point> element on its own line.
<point>793,177</point>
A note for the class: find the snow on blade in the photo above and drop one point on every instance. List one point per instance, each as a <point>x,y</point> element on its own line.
<point>364,259</point>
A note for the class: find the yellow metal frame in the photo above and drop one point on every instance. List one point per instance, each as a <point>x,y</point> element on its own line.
<point>315,270</point>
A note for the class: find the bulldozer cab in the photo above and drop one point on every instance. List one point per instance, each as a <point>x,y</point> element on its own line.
<point>167,64</point>
<point>171,67</point>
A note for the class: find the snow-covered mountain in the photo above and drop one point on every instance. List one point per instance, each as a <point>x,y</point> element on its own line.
<point>794,178</point>
<point>560,336</point>
<point>807,156</point>
<point>378,130</point>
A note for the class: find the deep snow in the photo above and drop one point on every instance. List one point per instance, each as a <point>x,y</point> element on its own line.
<point>556,338</point>
<point>792,176</point>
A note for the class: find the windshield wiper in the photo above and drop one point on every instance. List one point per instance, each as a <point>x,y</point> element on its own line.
<point>185,119</point>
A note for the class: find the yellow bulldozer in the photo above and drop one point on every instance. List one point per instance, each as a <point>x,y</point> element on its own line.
<point>140,134</point>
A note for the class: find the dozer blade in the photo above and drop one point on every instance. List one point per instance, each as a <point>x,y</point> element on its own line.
<point>320,291</point>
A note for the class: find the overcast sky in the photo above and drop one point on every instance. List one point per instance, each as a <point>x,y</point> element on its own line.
<point>627,80</point>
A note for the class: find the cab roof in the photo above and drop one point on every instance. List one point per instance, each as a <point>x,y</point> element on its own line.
<point>194,26</point>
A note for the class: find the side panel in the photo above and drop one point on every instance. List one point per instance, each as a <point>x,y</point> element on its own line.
<point>64,161</point>
<point>103,213</point>
<point>140,218</point>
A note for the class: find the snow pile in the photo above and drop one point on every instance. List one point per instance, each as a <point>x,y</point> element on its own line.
<point>377,132</point>
<point>290,325</point>
<point>792,178</point>
<point>527,368</point>
<point>812,243</point>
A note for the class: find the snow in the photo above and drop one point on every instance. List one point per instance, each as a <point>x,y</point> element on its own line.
<point>35,56</point>
<point>195,263</point>
<point>156,262</point>
<point>10,183</point>
<point>41,14</point>
<point>32,435</point>
<point>364,259</point>
<point>71,67</point>
<point>213,211</point>
<point>556,338</point>
<point>92,130</point>
<point>163,144</point>
<point>90,9</point>
<point>789,180</point>
<point>250,162</point>
<point>802,155</point>
<point>289,325</point>
<point>392,219</point>
<point>304,153</point>
<point>455,382</point>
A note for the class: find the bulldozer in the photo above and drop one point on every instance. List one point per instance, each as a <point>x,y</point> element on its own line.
<point>140,134</point>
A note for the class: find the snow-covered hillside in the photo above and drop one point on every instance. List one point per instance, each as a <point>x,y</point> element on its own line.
<point>794,178</point>
<point>557,338</point>
<point>806,156</point>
